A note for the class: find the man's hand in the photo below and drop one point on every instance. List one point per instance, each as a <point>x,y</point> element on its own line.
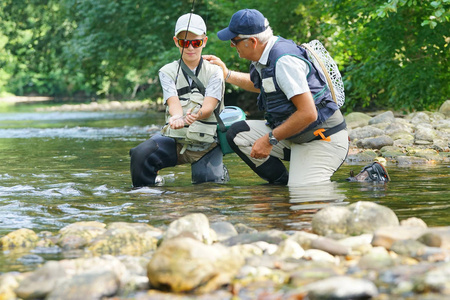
<point>217,61</point>
<point>261,148</point>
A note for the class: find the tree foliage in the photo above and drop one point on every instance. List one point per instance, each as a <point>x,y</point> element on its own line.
<point>392,53</point>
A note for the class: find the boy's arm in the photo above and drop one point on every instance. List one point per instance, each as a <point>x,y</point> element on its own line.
<point>176,111</point>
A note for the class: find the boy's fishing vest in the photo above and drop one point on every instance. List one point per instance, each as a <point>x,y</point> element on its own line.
<point>276,105</point>
<point>200,132</point>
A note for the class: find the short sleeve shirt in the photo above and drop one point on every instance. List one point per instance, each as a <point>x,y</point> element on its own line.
<point>290,72</point>
<point>213,89</point>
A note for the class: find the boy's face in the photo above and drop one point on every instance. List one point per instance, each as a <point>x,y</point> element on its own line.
<point>190,53</point>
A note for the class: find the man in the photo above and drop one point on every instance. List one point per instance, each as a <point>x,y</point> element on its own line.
<point>193,89</point>
<point>303,124</point>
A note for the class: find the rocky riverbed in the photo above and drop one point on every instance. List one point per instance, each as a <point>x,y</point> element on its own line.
<point>361,251</point>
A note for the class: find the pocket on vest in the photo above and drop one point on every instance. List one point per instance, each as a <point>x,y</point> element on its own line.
<point>200,132</point>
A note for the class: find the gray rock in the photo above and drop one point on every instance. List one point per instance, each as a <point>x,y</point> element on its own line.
<point>364,132</point>
<point>366,217</point>
<point>88,286</point>
<point>341,287</point>
<point>357,119</point>
<point>224,230</point>
<point>438,280</point>
<point>331,219</point>
<point>376,259</point>
<point>329,245</point>
<point>386,117</point>
<point>270,236</point>
<point>375,142</point>
<point>420,118</point>
<point>445,109</point>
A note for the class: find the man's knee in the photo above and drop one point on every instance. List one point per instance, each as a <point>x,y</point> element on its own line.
<point>235,129</point>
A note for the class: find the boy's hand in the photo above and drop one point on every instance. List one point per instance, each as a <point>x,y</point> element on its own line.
<point>176,121</point>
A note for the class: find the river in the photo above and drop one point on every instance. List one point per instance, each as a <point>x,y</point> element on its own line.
<point>64,167</point>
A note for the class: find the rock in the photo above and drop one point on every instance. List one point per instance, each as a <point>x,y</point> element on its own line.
<point>413,222</point>
<point>341,287</point>
<point>438,280</point>
<point>289,249</point>
<point>270,236</point>
<point>376,259</point>
<point>124,238</point>
<point>330,246</point>
<point>44,280</point>
<point>420,118</point>
<point>357,119</point>
<point>88,286</point>
<point>242,228</point>
<point>196,224</point>
<point>445,109</point>
<point>366,217</point>
<point>386,236</point>
<point>188,265</point>
<point>224,230</point>
<point>79,234</point>
<point>411,248</point>
<point>364,132</point>
<point>331,219</point>
<point>375,142</point>
<point>319,255</point>
<point>21,238</point>
<point>8,283</point>
<point>386,117</point>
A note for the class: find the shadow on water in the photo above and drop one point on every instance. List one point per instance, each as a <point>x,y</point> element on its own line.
<point>63,168</point>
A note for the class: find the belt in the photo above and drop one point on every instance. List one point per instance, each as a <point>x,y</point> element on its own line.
<point>322,134</point>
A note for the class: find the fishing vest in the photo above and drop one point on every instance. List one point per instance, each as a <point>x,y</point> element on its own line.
<point>201,133</point>
<point>276,105</point>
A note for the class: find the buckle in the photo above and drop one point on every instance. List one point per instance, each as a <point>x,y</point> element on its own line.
<point>319,132</point>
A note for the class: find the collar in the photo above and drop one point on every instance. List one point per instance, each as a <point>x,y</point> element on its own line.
<point>265,55</point>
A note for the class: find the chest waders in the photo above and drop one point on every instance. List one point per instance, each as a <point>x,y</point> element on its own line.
<point>161,152</point>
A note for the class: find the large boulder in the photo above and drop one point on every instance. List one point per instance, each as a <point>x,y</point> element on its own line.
<point>187,265</point>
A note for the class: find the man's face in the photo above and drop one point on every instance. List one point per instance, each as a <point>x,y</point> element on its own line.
<point>241,46</point>
<point>193,44</point>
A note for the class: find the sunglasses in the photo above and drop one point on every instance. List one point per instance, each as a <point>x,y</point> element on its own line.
<point>235,42</point>
<point>186,43</point>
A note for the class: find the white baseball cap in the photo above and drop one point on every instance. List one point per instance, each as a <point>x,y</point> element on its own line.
<point>192,23</point>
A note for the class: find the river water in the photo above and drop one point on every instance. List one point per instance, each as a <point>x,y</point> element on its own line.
<point>63,167</point>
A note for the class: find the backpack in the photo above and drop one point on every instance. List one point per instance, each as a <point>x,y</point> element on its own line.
<point>323,61</point>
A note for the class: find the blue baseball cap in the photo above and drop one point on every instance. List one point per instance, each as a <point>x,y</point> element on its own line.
<point>245,21</point>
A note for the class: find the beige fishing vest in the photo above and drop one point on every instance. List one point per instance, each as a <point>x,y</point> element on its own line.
<point>200,133</point>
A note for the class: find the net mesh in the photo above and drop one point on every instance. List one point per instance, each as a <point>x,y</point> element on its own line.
<point>323,61</point>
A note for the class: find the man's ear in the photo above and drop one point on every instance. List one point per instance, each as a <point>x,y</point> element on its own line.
<point>205,39</point>
<point>254,42</point>
<point>175,41</point>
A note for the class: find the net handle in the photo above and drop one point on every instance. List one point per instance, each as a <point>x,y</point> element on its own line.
<point>327,76</point>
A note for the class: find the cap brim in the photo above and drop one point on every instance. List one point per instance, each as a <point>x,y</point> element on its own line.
<point>226,34</point>
<point>193,30</point>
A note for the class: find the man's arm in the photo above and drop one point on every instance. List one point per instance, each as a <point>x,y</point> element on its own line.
<point>306,114</point>
<point>239,79</point>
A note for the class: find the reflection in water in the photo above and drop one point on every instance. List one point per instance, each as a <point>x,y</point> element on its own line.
<point>313,197</point>
<point>307,200</point>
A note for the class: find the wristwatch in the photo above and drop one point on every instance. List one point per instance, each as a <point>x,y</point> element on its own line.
<point>272,139</point>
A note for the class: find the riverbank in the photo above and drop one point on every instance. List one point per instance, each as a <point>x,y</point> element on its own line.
<point>361,251</point>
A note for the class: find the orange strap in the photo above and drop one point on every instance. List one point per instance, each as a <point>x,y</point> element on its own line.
<point>320,132</point>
